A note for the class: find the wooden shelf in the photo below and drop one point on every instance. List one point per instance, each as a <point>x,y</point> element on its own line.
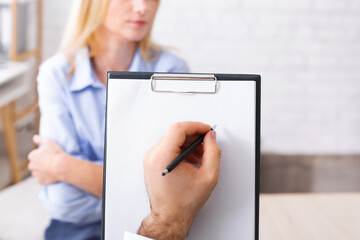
<point>10,70</point>
<point>13,85</point>
<point>8,2</point>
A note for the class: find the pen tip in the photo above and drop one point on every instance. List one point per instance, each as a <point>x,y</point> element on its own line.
<point>214,126</point>
<point>164,172</point>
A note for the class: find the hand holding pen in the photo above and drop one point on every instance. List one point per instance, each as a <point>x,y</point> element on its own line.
<point>185,153</point>
<point>181,194</point>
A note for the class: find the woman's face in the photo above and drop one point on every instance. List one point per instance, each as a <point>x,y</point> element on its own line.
<point>131,20</point>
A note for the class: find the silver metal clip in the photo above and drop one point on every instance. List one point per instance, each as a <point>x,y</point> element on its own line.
<point>183,83</point>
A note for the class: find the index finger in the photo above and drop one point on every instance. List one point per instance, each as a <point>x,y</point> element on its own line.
<point>178,132</point>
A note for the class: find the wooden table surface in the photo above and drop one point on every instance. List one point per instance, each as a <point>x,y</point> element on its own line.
<point>310,216</point>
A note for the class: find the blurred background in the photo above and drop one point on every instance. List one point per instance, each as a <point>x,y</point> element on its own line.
<point>307,53</point>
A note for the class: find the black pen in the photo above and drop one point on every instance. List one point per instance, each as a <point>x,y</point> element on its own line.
<point>186,152</point>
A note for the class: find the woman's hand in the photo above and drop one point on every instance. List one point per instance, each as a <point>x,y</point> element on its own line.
<point>50,164</point>
<point>46,163</point>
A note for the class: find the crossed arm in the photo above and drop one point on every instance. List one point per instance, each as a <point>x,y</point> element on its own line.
<point>50,164</point>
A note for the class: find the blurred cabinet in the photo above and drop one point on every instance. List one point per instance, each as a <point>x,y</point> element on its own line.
<point>20,56</point>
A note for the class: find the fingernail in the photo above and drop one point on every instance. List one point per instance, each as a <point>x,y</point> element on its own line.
<point>36,137</point>
<point>213,135</point>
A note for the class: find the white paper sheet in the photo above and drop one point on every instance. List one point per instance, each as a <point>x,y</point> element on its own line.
<point>136,120</point>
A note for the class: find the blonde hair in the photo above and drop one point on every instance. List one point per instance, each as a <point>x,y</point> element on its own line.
<point>84,19</point>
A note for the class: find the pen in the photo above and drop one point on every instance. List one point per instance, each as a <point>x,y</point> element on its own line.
<point>186,152</point>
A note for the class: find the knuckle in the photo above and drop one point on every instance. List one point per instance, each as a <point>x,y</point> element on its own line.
<point>149,157</point>
<point>31,155</point>
<point>218,152</point>
<point>175,126</point>
<point>215,154</point>
<point>212,178</point>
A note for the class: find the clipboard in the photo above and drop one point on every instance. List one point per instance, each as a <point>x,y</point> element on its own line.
<point>140,108</point>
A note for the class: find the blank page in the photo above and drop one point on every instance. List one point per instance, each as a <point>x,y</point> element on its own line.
<point>138,117</point>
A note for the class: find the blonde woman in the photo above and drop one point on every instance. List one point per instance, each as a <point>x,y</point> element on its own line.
<point>101,35</point>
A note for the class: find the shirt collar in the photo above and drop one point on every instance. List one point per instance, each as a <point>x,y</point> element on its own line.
<point>138,64</point>
<point>84,75</point>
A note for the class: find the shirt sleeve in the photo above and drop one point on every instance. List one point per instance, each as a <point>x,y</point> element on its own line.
<point>133,236</point>
<point>63,201</point>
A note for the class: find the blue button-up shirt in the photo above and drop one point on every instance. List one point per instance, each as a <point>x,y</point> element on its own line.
<point>73,115</point>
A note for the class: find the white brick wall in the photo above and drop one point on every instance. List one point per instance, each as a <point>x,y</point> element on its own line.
<point>308,53</point>
<point>55,13</point>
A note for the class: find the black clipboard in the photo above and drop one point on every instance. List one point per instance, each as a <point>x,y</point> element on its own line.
<point>153,80</point>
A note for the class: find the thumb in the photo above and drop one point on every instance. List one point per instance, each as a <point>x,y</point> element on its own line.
<point>212,154</point>
<point>40,140</point>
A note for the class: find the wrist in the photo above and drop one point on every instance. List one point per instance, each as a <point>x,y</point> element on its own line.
<point>165,226</point>
<point>61,167</point>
